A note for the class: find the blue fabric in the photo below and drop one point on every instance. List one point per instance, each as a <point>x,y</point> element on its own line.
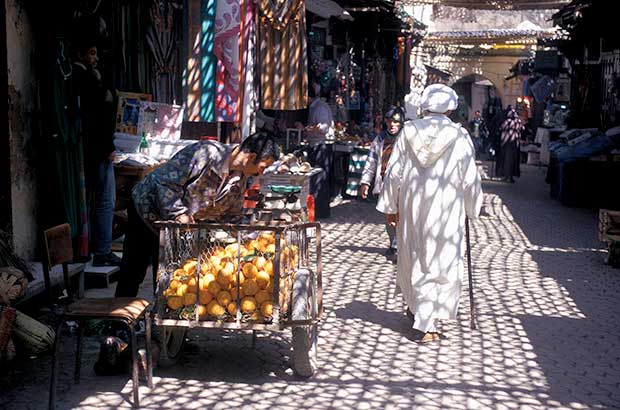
<point>596,145</point>
<point>208,63</point>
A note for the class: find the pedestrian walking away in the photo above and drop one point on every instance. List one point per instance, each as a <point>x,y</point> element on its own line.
<point>431,184</point>
<point>508,165</point>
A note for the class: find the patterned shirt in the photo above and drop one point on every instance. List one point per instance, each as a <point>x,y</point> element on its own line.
<point>197,182</point>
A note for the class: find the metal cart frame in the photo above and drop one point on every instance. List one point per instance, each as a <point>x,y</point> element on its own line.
<point>305,303</point>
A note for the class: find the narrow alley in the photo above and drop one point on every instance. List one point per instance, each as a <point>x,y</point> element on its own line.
<point>547,337</point>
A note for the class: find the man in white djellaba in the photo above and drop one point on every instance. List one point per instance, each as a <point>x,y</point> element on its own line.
<point>431,184</point>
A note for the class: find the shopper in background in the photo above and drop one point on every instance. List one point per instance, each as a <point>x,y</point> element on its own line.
<point>479,133</point>
<point>508,161</point>
<point>376,164</point>
<point>97,125</point>
<point>320,116</point>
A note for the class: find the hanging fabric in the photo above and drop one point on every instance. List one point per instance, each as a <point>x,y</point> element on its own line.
<point>226,49</point>
<point>161,39</point>
<point>247,91</point>
<point>67,145</point>
<point>283,54</point>
<point>199,78</point>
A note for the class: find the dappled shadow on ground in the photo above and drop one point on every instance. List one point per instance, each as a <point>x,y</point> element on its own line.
<point>545,273</point>
<point>539,338</point>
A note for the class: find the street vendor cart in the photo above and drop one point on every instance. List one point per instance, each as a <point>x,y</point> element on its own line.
<point>264,276</point>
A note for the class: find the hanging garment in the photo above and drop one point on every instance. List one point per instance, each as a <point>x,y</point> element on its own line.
<point>161,37</point>
<point>358,159</point>
<point>283,54</point>
<point>248,101</point>
<point>200,74</point>
<point>226,49</point>
<point>432,182</point>
<point>67,145</point>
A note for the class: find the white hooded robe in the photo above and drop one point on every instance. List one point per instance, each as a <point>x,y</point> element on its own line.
<point>432,182</point>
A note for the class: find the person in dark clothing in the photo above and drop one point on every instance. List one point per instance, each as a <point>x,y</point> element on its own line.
<point>97,130</point>
<point>508,164</point>
<point>494,130</point>
<point>479,133</point>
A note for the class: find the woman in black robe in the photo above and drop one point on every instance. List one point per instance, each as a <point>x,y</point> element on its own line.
<point>508,159</point>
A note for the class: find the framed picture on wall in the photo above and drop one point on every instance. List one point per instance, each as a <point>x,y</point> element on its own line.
<point>160,120</point>
<point>293,136</point>
<point>562,90</point>
<point>128,111</point>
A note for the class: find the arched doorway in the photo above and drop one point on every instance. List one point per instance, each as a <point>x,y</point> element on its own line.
<point>476,93</point>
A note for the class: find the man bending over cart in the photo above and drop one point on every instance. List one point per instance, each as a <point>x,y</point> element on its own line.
<point>204,181</point>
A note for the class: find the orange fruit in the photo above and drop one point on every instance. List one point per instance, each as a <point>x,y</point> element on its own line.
<point>262,279</point>
<point>182,289</point>
<point>233,293</point>
<point>248,304</point>
<point>189,299</point>
<point>262,296</point>
<point>232,308</point>
<point>205,280</point>
<point>215,309</point>
<point>249,270</point>
<point>268,267</point>
<point>174,284</point>
<point>260,262</point>
<point>250,287</point>
<point>205,297</point>
<point>224,278</point>
<point>224,298</point>
<point>190,266</point>
<point>202,312</point>
<point>232,249</point>
<point>214,288</point>
<point>174,302</point>
<point>192,281</point>
<point>266,309</point>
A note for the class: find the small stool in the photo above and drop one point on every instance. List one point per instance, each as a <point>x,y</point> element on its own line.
<point>125,310</point>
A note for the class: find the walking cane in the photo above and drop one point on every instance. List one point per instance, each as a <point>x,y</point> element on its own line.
<point>472,323</point>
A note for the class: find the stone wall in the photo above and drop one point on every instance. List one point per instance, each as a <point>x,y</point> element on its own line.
<point>22,109</point>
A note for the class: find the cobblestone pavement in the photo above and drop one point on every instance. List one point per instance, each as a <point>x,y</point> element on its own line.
<point>547,313</point>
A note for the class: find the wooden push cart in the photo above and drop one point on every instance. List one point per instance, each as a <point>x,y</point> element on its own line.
<point>259,277</point>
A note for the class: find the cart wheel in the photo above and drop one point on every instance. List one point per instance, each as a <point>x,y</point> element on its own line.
<point>171,342</point>
<point>304,337</point>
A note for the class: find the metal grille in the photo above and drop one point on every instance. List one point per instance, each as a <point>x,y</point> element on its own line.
<point>227,273</point>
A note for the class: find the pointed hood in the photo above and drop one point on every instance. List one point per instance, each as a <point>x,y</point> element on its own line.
<point>431,136</point>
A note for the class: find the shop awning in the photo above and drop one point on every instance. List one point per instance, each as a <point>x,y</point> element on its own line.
<point>327,9</point>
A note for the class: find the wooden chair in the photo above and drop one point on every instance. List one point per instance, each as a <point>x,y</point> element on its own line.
<point>61,253</point>
<point>125,310</point>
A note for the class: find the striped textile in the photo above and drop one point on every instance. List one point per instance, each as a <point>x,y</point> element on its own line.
<point>357,161</point>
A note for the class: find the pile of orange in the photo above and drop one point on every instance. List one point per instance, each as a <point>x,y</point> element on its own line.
<point>214,289</point>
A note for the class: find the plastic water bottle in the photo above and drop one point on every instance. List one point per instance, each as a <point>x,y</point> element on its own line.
<point>310,207</point>
<point>144,145</point>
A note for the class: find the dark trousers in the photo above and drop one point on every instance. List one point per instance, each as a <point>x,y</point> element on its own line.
<point>140,250</point>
